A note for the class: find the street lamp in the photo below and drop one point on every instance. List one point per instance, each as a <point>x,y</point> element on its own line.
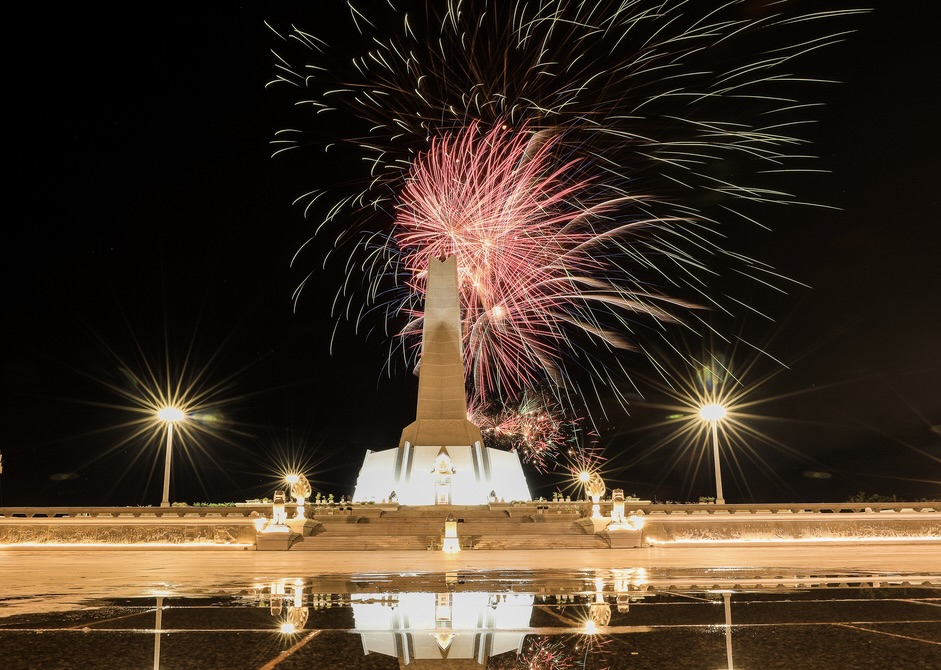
<point>169,415</point>
<point>583,476</point>
<point>714,413</point>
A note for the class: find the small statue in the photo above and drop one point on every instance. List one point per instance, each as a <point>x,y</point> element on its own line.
<point>300,489</point>
<point>278,515</point>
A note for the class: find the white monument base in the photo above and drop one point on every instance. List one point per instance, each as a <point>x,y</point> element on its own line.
<point>453,475</point>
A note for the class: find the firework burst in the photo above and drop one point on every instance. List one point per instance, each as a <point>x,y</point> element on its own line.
<point>535,427</point>
<point>580,159</point>
<point>534,273</point>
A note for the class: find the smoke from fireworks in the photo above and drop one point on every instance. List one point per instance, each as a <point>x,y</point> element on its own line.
<point>580,158</point>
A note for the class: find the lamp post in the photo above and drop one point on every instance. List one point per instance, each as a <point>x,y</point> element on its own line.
<point>169,415</point>
<point>714,413</point>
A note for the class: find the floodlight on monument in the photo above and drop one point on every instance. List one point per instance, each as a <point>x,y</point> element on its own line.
<point>714,413</point>
<point>169,415</point>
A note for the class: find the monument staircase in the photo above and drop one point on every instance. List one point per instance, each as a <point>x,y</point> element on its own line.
<point>420,527</point>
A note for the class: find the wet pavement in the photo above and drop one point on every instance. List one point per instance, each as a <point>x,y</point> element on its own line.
<point>826,608</point>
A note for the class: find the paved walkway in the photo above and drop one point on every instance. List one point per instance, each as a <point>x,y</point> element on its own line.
<point>26,571</point>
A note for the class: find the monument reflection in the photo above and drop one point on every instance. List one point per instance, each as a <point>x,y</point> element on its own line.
<point>536,620</point>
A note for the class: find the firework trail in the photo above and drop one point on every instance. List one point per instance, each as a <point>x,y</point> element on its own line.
<point>531,271</point>
<point>535,427</point>
<point>584,161</point>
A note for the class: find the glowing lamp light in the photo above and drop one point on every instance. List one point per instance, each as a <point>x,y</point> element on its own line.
<point>713,412</point>
<point>171,414</point>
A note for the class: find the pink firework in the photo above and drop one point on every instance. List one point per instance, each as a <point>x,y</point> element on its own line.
<point>535,428</point>
<point>533,268</point>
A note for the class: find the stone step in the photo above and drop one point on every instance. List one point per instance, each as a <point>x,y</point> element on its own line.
<point>375,528</point>
<point>433,542</point>
<point>366,543</point>
<point>568,542</point>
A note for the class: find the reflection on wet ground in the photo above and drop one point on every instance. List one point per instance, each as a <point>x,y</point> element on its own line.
<point>718,619</point>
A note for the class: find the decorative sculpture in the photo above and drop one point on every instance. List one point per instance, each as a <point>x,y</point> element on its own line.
<point>300,491</point>
<point>594,488</point>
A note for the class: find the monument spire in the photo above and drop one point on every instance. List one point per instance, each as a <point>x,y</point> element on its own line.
<point>441,414</point>
<point>441,458</point>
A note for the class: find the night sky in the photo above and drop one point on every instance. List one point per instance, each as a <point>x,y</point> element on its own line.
<point>147,224</point>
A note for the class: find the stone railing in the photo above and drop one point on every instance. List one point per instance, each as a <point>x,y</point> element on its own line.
<point>752,508</point>
<point>775,508</point>
<point>249,510</point>
<point>176,511</point>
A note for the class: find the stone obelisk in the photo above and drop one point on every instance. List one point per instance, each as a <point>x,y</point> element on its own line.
<point>441,415</point>
<point>441,457</point>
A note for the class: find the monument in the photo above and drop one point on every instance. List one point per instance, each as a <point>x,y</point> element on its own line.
<point>441,458</point>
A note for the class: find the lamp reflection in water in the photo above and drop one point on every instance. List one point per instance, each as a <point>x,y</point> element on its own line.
<point>727,606</point>
<point>290,605</point>
<point>158,629</point>
<point>599,611</point>
<point>727,601</point>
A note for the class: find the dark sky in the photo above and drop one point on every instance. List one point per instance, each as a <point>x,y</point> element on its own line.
<point>146,219</point>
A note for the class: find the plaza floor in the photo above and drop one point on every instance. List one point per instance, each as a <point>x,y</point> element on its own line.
<point>872,606</point>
